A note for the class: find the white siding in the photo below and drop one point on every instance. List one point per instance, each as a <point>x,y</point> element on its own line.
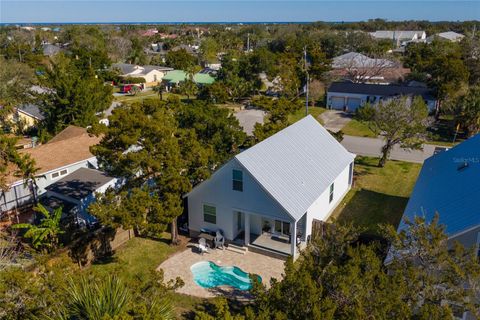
<point>321,208</point>
<point>217,191</point>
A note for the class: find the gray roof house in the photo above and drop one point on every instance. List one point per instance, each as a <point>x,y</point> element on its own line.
<point>358,60</point>
<point>449,36</point>
<point>31,110</point>
<point>449,184</point>
<point>76,191</point>
<point>400,37</point>
<point>349,96</point>
<point>152,74</point>
<point>267,197</point>
<point>50,49</point>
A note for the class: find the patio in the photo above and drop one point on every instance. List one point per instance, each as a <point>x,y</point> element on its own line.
<point>271,242</point>
<point>179,266</point>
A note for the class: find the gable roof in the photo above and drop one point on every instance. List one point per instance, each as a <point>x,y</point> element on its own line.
<point>296,165</point>
<point>445,187</point>
<point>380,89</point>
<point>80,183</point>
<point>70,146</point>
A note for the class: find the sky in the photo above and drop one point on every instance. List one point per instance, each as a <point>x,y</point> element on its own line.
<point>41,11</point>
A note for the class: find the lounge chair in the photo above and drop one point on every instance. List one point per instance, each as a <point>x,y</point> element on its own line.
<point>202,245</point>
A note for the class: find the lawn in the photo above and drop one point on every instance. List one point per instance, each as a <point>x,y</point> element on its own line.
<point>359,129</point>
<point>379,195</point>
<point>137,258</point>
<point>299,114</point>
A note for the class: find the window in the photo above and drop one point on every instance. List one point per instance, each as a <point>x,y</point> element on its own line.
<point>332,188</point>
<point>209,214</point>
<point>237,180</point>
<point>59,173</point>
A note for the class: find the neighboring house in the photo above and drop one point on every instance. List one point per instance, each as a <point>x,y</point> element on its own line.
<point>173,78</point>
<point>449,184</point>
<point>448,36</point>
<point>349,96</point>
<point>151,74</point>
<point>76,191</point>
<point>360,68</point>
<point>269,196</point>
<point>50,49</point>
<point>400,37</point>
<point>28,116</point>
<point>64,154</point>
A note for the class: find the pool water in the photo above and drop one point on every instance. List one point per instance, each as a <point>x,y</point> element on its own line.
<point>208,275</point>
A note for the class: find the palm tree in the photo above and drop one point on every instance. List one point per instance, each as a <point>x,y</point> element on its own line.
<point>96,301</point>
<point>108,299</point>
<point>44,235</point>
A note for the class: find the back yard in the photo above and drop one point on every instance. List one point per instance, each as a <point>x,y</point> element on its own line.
<point>379,195</point>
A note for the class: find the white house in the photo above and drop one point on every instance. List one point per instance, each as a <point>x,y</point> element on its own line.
<point>151,74</point>
<point>269,195</point>
<point>65,153</point>
<point>348,96</point>
<point>449,184</point>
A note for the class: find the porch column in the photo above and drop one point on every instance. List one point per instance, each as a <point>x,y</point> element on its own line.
<point>247,229</point>
<point>293,240</point>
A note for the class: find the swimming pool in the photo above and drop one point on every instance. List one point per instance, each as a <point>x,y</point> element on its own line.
<point>207,274</point>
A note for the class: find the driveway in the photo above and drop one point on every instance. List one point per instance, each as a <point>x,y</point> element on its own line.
<point>372,146</point>
<point>248,118</point>
<point>335,120</point>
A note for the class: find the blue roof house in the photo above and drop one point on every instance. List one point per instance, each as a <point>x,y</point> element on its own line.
<point>266,198</point>
<point>449,184</point>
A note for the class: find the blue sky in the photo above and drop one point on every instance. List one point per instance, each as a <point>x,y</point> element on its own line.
<point>12,11</point>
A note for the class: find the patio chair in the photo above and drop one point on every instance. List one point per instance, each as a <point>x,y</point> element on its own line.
<point>219,240</point>
<point>202,245</point>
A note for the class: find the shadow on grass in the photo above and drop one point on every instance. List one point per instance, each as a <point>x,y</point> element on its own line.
<point>368,209</point>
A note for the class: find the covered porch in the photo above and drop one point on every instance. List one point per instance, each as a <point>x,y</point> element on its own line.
<point>271,234</point>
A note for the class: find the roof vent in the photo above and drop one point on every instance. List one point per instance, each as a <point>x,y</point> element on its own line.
<point>462,166</point>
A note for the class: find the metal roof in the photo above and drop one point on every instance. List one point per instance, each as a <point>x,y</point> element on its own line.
<point>177,76</point>
<point>380,89</point>
<point>449,183</point>
<point>296,165</point>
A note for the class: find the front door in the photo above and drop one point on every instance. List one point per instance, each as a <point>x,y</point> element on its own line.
<point>239,221</point>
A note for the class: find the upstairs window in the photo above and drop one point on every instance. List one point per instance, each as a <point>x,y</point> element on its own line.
<point>332,188</point>
<point>59,173</point>
<point>209,214</point>
<point>237,180</point>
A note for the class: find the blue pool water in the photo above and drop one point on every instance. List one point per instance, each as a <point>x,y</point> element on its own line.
<point>208,275</point>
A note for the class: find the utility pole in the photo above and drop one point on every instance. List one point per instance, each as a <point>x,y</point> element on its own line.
<point>248,42</point>
<point>307,82</point>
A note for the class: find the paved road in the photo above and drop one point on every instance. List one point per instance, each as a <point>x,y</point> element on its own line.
<point>334,120</point>
<point>248,118</point>
<point>372,146</point>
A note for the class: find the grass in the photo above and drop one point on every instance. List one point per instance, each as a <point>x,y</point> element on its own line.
<point>359,129</point>
<point>379,195</point>
<point>299,114</point>
<point>137,258</point>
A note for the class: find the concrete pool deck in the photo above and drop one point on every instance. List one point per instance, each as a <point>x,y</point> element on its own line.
<point>179,266</point>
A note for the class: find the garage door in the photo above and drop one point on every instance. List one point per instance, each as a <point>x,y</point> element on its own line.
<point>337,103</point>
<point>353,104</point>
